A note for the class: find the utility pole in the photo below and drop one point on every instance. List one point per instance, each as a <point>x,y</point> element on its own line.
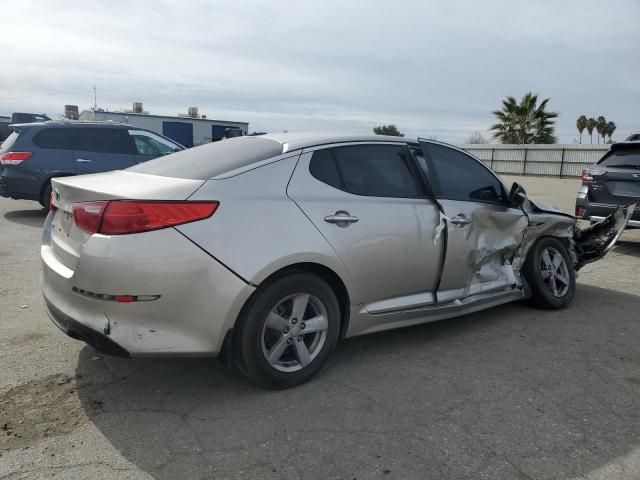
<point>95,98</point>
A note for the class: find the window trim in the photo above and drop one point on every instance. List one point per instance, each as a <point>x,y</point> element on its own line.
<point>422,189</point>
<point>434,181</point>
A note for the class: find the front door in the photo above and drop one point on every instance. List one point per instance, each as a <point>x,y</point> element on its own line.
<point>482,232</point>
<point>369,202</point>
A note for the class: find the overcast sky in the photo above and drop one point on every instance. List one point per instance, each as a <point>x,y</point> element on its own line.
<point>433,68</point>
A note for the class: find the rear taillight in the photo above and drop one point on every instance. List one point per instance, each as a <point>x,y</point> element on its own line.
<point>88,215</point>
<point>579,212</point>
<point>119,217</point>
<point>588,173</point>
<point>14,158</point>
<point>52,207</point>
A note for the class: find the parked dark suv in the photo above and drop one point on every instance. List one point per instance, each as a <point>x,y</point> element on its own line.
<point>613,181</point>
<point>34,153</point>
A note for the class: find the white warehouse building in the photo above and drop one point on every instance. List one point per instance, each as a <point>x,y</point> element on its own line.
<point>188,130</point>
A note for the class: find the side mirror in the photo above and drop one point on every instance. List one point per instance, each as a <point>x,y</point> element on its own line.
<point>517,195</point>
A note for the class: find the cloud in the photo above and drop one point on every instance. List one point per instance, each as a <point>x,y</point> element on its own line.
<point>432,68</point>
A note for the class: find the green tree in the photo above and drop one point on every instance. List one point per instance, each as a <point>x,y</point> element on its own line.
<point>591,124</point>
<point>524,121</point>
<point>581,124</point>
<point>388,130</point>
<point>601,126</point>
<point>611,127</point>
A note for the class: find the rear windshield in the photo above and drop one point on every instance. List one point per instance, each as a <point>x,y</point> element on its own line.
<point>9,141</point>
<point>622,158</point>
<point>212,159</point>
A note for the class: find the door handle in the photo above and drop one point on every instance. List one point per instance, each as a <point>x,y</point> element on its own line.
<point>83,160</point>
<point>460,220</point>
<point>341,218</point>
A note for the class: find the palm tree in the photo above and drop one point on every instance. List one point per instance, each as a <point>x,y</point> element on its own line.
<point>525,121</point>
<point>611,127</point>
<point>601,126</point>
<point>581,124</point>
<point>591,124</point>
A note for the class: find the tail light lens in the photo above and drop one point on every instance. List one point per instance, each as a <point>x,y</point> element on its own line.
<point>88,215</point>
<point>120,217</point>
<point>14,158</point>
<point>588,173</point>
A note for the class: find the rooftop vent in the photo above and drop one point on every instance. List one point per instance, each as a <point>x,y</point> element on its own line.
<point>193,112</point>
<point>137,107</point>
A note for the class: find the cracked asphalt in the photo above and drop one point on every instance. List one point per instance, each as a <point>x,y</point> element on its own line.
<point>512,392</point>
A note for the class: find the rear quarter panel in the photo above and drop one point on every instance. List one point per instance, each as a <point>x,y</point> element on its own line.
<point>257,229</point>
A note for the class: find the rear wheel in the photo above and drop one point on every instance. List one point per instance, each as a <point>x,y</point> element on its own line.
<point>550,274</point>
<point>287,332</point>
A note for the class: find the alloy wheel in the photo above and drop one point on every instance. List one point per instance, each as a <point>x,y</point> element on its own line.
<point>294,332</point>
<point>554,272</point>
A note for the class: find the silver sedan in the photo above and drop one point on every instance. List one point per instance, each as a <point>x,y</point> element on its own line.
<point>268,250</point>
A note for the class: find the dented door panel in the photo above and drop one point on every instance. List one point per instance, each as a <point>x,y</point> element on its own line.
<point>480,249</point>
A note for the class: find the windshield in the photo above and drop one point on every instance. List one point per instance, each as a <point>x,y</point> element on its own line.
<point>9,141</point>
<point>622,158</point>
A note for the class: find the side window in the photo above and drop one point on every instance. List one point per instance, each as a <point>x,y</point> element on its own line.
<point>149,144</point>
<point>458,176</point>
<point>56,138</point>
<point>103,140</point>
<point>369,170</point>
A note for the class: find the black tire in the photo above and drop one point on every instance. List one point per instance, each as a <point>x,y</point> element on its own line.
<point>541,289</point>
<point>45,198</point>
<point>249,343</point>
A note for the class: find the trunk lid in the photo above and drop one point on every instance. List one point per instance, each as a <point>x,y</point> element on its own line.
<point>66,240</point>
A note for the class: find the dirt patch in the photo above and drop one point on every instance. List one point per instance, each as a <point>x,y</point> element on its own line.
<point>39,409</point>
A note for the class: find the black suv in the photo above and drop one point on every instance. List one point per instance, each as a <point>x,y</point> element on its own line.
<point>613,181</point>
<point>34,153</point>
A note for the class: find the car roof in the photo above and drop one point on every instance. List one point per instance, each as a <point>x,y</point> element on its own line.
<point>299,140</point>
<point>74,124</point>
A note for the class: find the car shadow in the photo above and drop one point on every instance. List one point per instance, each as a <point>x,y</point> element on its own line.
<point>511,392</point>
<point>31,218</point>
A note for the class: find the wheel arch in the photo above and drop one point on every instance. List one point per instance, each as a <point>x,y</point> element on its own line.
<point>325,273</point>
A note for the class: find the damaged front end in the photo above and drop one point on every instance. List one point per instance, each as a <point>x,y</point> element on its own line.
<point>584,245</point>
<point>593,243</point>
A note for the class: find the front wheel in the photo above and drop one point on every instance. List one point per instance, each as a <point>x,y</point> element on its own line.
<point>287,331</point>
<point>550,274</point>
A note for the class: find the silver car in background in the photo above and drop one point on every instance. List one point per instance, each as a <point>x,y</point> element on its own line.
<point>267,250</point>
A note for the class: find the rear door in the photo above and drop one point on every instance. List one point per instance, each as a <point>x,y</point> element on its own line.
<point>616,178</point>
<point>482,232</point>
<point>368,201</point>
<point>102,149</point>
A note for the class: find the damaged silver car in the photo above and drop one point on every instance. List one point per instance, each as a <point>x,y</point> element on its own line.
<point>267,250</point>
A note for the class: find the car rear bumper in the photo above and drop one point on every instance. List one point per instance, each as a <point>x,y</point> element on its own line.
<point>597,211</point>
<point>195,299</point>
<point>15,184</point>
<point>98,340</point>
